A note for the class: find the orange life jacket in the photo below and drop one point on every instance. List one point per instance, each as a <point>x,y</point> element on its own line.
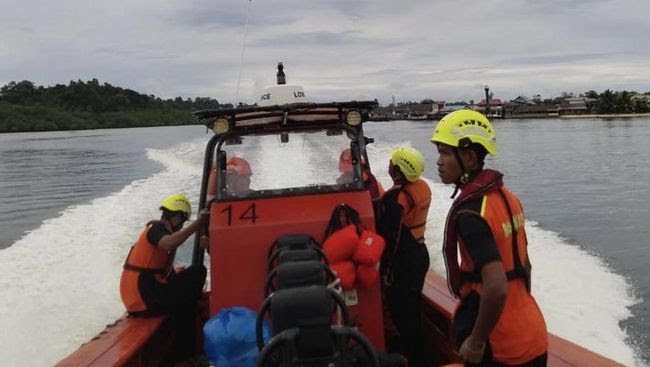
<point>341,244</point>
<point>144,257</point>
<point>520,334</point>
<point>415,198</point>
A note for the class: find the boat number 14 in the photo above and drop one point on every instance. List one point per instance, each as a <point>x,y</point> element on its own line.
<point>249,214</point>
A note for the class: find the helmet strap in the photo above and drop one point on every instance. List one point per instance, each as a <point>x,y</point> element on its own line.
<point>179,224</point>
<point>460,161</point>
<point>464,178</point>
<point>169,218</point>
<point>453,195</point>
<point>398,177</point>
<point>177,227</point>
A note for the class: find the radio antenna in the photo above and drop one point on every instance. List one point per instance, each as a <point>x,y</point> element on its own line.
<point>243,47</point>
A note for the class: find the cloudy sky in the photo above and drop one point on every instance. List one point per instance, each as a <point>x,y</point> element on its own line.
<point>337,49</point>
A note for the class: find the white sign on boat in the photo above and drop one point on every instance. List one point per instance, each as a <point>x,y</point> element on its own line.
<point>278,95</point>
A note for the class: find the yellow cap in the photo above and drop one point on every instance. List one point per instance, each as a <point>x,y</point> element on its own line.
<point>460,128</point>
<point>409,161</point>
<point>177,203</point>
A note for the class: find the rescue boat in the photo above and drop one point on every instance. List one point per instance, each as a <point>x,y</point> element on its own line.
<point>265,249</point>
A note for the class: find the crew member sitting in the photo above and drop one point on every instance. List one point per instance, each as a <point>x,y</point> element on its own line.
<point>238,178</point>
<point>369,180</point>
<point>149,285</point>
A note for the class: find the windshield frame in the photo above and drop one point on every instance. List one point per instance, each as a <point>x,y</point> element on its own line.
<point>355,135</point>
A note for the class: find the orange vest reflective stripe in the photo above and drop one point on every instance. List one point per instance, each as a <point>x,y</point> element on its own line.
<point>520,334</point>
<point>415,198</point>
<point>143,257</point>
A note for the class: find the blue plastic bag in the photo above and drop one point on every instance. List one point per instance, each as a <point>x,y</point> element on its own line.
<point>229,337</point>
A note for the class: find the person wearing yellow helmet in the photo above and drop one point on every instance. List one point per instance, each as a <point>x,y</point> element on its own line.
<point>498,322</point>
<point>150,286</point>
<point>401,221</point>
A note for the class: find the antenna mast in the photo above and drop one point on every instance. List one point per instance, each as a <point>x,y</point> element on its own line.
<point>243,47</point>
<point>282,79</point>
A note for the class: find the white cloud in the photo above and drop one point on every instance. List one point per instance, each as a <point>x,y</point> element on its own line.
<point>337,49</point>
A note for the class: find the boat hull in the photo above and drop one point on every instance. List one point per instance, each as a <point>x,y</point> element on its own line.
<point>140,342</point>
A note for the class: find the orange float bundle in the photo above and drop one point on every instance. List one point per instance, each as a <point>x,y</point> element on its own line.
<point>352,251</point>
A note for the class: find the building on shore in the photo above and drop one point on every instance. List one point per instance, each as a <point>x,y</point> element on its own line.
<point>575,106</point>
<point>524,107</point>
<point>433,110</point>
<point>519,108</point>
<point>493,108</point>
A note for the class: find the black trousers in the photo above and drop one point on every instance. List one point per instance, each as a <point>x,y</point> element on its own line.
<point>404,298</point>
<point>177,298</point>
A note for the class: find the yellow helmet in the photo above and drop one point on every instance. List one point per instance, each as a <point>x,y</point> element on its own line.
<point>177,203</point>
<point>409,161</point>
<point>462,127</point>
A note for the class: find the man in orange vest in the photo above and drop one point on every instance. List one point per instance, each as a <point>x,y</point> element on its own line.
<point>149,285</point>
<point>497,322</point>
<point>238,178</point>
<point>401,221</point>
<point>369,180</point>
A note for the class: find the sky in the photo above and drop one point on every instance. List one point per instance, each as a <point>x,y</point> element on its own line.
<point>409,50</point>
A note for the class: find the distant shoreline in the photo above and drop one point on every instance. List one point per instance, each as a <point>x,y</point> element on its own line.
<point>605,116</point>
<point>531,117</point>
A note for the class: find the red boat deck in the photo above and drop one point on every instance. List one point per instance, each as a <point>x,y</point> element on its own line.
<point>127,342</point>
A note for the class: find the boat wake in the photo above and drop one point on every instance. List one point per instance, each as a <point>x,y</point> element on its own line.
<point>61,281</point>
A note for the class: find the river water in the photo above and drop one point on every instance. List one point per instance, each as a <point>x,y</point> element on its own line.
<point>72,203</point>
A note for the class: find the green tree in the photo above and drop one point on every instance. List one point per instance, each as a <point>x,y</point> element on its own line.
<point>90,105</point>
<point>19,93</point>
<point>606,102</point>
<point>640,106</point>
<point>624,102</point>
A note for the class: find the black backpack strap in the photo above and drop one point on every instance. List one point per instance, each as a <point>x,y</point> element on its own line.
<point>349,215</point>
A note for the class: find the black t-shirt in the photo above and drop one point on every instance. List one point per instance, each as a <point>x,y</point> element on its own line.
<point>156,232</point>
<point>478,239</point>
<point>388,221</point>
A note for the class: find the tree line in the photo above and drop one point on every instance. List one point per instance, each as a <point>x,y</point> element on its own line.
<point>94,105</point>
<point>610,101</point>
<point>91,105</point>
<point>607,102</point>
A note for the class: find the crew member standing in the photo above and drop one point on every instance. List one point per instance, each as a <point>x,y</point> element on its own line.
<point>401,221</point>
<point>498,322</point>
